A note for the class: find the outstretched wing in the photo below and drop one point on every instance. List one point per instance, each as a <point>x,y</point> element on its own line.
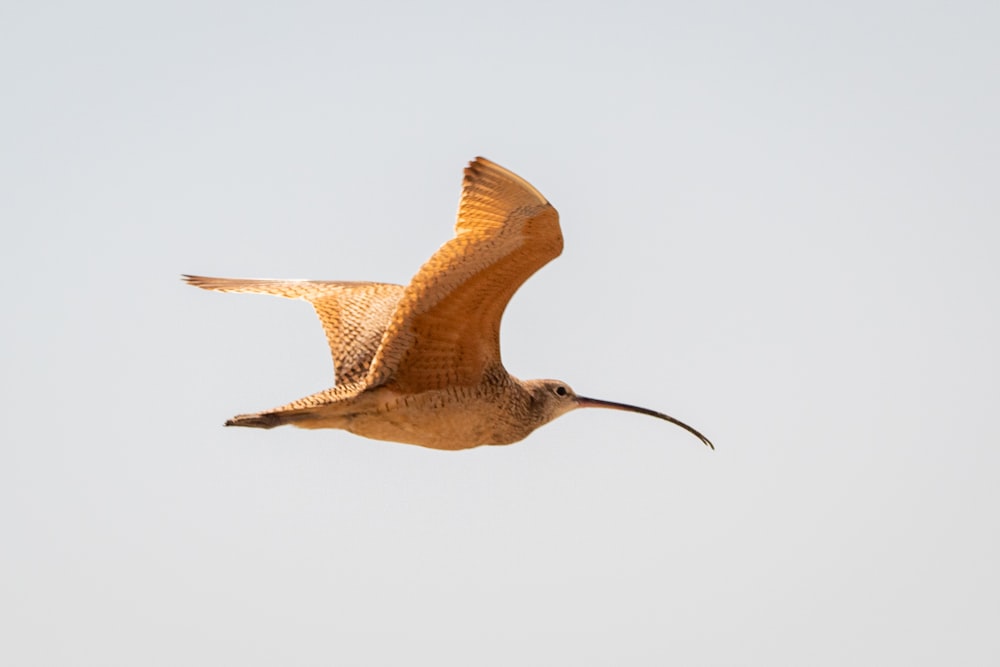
<point>354,315</point>
<point>446,329</point>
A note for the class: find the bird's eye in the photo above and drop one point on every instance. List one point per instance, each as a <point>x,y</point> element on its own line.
<point>561,391</point>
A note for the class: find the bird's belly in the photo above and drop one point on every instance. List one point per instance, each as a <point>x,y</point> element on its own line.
<point>436,420</point>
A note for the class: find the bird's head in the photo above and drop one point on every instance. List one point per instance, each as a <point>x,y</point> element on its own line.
<point>554,398</point>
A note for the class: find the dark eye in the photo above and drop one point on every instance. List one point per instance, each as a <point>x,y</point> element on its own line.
<point>561,391</point>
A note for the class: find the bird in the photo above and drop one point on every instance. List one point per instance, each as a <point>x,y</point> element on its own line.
<point>421,364</point>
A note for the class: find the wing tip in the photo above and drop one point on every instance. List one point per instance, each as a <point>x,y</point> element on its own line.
<point>209,282</point>
<point>196,281</point>
<point>475,169</point>
<point>479,168</point>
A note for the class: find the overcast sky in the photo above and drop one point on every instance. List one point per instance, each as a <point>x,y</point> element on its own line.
<point>781,226</point>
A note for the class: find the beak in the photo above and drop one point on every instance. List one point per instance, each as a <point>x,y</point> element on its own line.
<point>584,402</point>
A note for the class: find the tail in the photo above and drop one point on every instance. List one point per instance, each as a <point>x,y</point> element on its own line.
<point>258,420</point>
<point>330,408</point>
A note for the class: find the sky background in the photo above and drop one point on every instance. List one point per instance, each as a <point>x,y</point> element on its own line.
<point>781,225</point>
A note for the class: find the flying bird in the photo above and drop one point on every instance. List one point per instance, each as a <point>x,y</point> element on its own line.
<point>421,364</point>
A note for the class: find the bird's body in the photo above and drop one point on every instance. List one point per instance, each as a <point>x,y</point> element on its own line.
<point>421,364</point>
<point>453,418</point>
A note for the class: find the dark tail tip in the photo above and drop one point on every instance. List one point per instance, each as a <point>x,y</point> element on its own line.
<point>259,420</point>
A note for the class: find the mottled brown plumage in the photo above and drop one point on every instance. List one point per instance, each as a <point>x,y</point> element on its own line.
<point>421,364</point>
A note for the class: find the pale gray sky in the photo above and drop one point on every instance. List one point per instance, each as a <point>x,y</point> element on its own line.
<point>781,226</point>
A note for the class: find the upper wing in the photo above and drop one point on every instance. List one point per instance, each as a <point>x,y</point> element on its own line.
<point>446,329</point>
<point>354,315</point>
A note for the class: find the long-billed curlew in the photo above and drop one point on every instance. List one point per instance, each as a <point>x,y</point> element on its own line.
<point>421,364</point>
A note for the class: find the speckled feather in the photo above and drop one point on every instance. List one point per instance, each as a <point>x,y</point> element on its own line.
<point>446,329</point>
<point>421,364</point>
<point>354,314</point>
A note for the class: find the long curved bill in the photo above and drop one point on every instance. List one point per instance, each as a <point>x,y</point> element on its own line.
<point>585,402</point>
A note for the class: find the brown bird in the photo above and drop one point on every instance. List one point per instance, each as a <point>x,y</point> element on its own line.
<point>421,364</point>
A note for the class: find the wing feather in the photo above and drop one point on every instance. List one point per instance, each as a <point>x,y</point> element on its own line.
<point>354,315</point>
<point>446,328</point>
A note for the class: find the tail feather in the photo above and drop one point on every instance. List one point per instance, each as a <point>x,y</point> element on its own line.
<point>258,420</point>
